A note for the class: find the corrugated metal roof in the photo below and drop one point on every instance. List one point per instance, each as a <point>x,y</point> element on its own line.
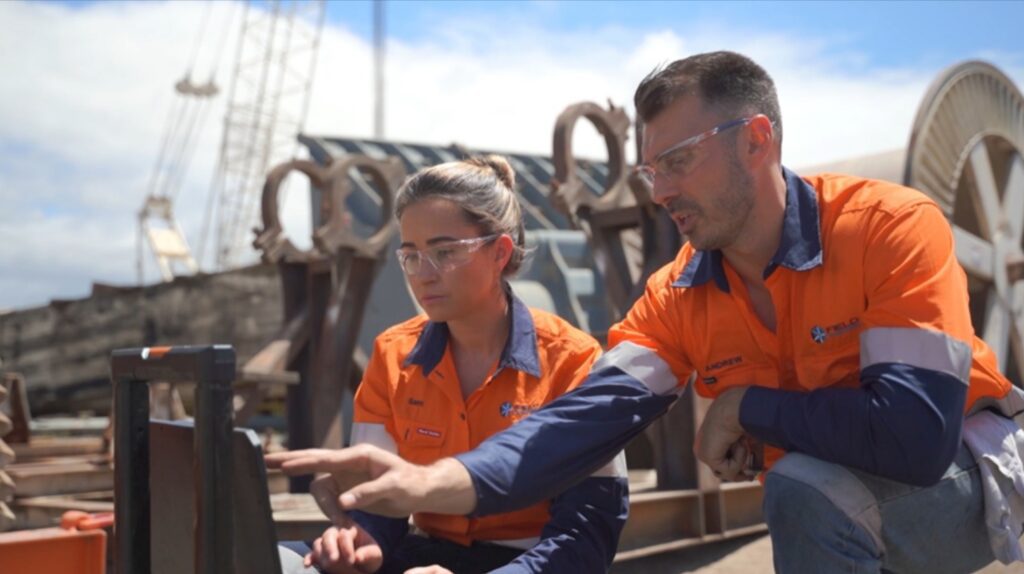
<point>533,173</point>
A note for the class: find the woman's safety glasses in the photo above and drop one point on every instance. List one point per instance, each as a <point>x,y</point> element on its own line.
<point>443,257</point>
<point>682,158</point>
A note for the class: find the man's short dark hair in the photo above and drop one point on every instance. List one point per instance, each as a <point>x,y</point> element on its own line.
<point>726,81</point>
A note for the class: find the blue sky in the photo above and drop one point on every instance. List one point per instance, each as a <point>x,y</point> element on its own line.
<point>89,86</point>
<point>884,33</point>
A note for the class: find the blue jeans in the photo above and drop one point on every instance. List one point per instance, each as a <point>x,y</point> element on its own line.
<point>823,517</point>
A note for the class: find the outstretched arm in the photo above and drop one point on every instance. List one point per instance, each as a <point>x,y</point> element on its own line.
<point>538,458</point>
<point>380,482</point>
<point>583,532</point>
<point>570,437</point>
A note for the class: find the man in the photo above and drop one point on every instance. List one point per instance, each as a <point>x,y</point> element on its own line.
<point>828,318</point>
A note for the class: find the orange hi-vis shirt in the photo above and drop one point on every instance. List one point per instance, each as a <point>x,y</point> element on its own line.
<point>865,281</point>
<point>410,401</point>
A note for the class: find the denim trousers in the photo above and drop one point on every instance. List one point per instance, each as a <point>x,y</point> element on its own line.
<point>823,517</point>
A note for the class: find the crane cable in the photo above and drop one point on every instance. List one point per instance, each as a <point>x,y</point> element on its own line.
<point>217,179</point>
<point>200,121</point>
<point>187,112</point>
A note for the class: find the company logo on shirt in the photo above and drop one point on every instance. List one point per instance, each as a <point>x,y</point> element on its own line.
<point>820,334</point>
<point>509,409</point>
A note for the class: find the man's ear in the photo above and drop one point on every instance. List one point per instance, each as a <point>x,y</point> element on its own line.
<point>761,138</point>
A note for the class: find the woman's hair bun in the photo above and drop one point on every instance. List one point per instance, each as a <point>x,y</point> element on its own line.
<point>501,168</point>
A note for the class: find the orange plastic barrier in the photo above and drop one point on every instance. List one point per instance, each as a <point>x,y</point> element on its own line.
<point>78,546</point>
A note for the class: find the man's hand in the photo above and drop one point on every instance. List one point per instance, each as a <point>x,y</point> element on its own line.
<point>720,442</point>
<point>372,479</point>
<point>345,551</point>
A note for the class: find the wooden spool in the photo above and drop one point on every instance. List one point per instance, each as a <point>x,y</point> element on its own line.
<point>965,152</point>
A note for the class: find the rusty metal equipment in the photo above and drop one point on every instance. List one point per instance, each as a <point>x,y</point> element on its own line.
<point>965,152</point>
<point>630,236</point>
<point>324,291</point>
<point>212,369</point>
<point>172,476</point>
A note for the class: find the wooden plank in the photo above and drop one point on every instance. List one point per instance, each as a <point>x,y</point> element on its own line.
<point>48,447</point>
<point>297,517</point>
<point>41,479</point>
<point>44,511</point>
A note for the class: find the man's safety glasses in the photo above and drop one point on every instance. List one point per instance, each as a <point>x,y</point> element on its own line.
<point>443,257</point>
<point>682,158</point>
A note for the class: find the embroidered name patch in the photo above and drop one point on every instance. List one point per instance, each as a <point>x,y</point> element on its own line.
<point>428,432</point>
<point>723,363</point>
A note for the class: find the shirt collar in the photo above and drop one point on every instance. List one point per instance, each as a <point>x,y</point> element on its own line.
<point>520,350</point>
<point>799,247</point>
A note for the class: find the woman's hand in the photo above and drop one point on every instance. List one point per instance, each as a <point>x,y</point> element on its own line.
<point>349,550</point>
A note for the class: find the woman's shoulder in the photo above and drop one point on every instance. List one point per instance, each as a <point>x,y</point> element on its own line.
<point>552,330</point>
<point>403,335</point>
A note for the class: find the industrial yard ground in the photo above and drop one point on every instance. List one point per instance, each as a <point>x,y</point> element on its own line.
<point>745,555</point>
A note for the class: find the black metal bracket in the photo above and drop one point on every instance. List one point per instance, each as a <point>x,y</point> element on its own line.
<point>212,369</point>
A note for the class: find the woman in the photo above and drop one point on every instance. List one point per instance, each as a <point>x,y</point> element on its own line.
<point>479,361</point>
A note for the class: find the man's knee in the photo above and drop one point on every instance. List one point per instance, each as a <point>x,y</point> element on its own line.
<point>802,493</point>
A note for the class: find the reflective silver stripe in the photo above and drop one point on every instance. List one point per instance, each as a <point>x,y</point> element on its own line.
<point>616,467</point>
<point>917,347</point>
<point>642,364</point>
<point>1010,406</point>
<point>375,434</point>
<point>840,486</point>
<point>518,543</point>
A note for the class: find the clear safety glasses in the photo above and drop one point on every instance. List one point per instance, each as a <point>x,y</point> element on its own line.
<point>683,158</point>
<point>442,257</point>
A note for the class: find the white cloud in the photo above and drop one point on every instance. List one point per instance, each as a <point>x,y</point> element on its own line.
<point>88,88</point>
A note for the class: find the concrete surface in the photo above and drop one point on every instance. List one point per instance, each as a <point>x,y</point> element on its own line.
<point>747,555</point>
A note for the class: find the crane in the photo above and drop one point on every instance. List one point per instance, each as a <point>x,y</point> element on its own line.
<point>267,104</point>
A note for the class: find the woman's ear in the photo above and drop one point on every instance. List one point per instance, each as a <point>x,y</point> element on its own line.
<point>504,247</point>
